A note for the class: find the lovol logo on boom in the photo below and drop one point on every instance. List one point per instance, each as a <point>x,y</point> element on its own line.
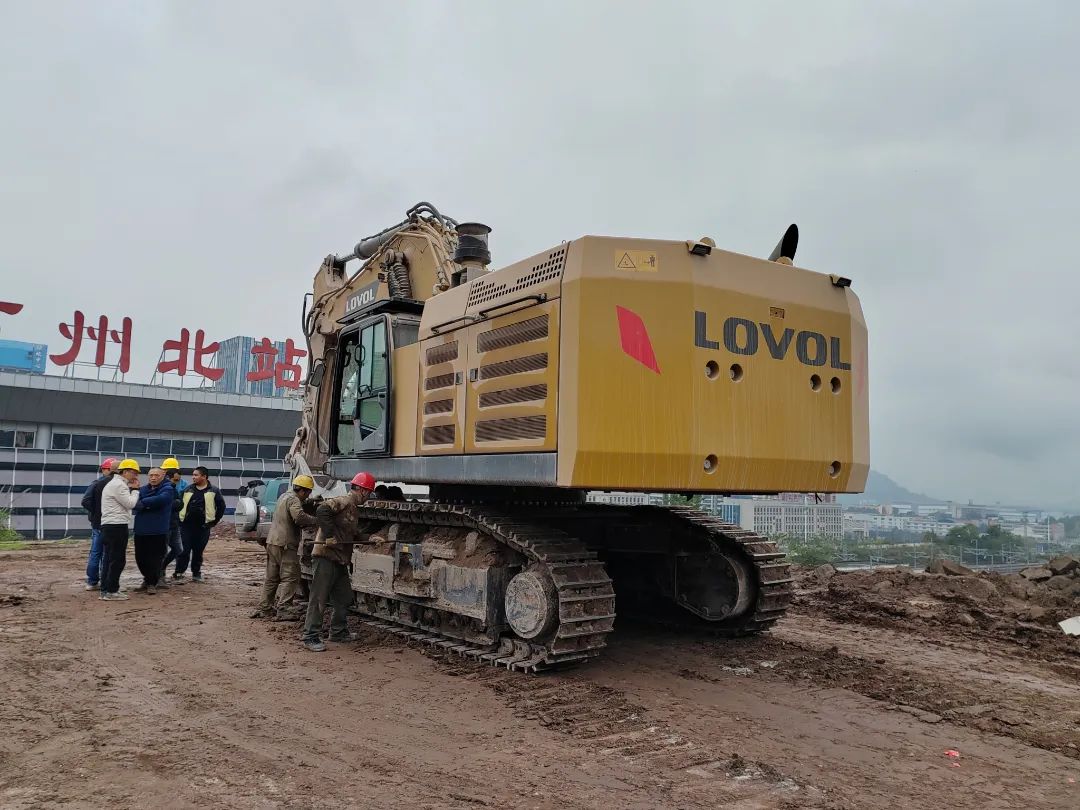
<point>743,336</point>
<point>361,299</point>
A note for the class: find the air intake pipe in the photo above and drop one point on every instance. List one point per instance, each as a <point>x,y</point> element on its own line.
<point>472,255</point>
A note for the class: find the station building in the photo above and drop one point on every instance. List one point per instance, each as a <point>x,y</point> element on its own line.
<point>55,431</point>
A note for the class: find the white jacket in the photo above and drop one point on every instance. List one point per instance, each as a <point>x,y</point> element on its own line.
<point>117,501</point>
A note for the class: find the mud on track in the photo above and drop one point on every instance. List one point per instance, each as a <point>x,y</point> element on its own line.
<point>179,700</point>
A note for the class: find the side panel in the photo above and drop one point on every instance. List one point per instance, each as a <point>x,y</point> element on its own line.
<point>440,414</point>
<point>512,390</point>
<point>718,373</point>
<point>406,361</point>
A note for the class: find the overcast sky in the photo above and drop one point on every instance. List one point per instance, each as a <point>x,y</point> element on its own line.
<point>189,164</point>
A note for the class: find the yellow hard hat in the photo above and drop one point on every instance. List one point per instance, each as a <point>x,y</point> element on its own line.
<point>170,464</point>
<point>129,464</point>
<point>304,481</point>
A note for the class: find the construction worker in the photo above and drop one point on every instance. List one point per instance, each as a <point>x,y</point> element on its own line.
<point>202,508</point>
<point>173,545</point>
<point>91,502</point>
<point>118,498</point>
<point>282,551</point>
<point>339,525</point>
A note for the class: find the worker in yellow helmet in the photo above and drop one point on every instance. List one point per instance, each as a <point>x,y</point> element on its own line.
<point>118,499</point>
<point>282,552</point>
<point>175,547</point>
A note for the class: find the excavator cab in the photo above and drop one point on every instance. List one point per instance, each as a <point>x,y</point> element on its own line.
<point>363,390</point>
<point>363,383</point>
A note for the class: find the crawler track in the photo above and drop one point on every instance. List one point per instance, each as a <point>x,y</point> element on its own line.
<point>544,534</point>
<point>775,585</point>
<point>586,598</point>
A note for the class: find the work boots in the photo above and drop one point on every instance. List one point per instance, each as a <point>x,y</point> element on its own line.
<point>344,638</point>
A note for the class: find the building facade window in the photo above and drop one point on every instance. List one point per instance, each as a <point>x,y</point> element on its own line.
<point>228,450</point>
<point>181,447</point>
<point>110,444</point>
<point>202,448</point>
<point>61,441</point>
<point>80,441</point>
<point>160,447</point>
<point>135,446</point>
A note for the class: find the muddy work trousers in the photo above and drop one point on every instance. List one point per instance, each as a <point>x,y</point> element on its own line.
<point>149,552</point>
<point>330,584</point>
<point>115,541</point>
<point>282,577</point>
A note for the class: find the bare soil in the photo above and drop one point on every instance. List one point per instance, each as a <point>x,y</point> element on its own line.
<point>180,700</point>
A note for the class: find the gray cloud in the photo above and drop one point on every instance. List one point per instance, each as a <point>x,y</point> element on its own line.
<point>927,151</point>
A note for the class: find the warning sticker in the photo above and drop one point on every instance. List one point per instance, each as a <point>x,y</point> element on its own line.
<point>637,261</point>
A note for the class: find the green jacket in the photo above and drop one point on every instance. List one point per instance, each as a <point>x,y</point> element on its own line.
<point>339,528</point>
<point>289,519</point>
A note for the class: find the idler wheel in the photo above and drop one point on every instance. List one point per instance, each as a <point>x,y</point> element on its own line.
<point>532,604</point>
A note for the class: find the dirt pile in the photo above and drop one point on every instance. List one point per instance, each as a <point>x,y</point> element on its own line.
<point>949,594</point>
<point>226,530</point>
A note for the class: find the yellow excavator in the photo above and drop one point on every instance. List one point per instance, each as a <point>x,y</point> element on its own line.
<point>602,364</point>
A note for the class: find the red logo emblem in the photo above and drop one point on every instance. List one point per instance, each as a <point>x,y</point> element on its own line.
<point>635,338</point>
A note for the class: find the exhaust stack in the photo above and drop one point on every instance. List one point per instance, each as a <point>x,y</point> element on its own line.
<point>784,252</point>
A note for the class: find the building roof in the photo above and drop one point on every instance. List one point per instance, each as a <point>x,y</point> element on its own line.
<point>73,401</point>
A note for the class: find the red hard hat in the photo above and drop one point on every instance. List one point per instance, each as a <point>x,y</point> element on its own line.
<point>364,480</point>
<point>108,464</point>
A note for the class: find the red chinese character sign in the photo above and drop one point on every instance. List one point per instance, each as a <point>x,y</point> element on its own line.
<point>183,348</point>
<point>285,370</point>
<point>289,367</point>
<point>101,335</point>
<point>264,353</point>
<point>285,374</point>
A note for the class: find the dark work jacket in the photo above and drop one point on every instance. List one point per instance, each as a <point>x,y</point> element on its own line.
<point>153,512</point>
<point>201,507</point>
<point>91,501</point>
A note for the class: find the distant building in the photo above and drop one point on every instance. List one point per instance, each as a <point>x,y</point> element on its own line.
<point>236,358</point>
<point>860,524</point>
<point>619,498</point>
<point>1043,532</point>
<point>728,510</point>
<point>55,431</point>
<point>772,516</point>
<point>23,358</point>
<point>802,497</point>
<point>925,510</point>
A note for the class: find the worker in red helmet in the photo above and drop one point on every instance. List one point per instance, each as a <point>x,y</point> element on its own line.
<point>339,527</point>
<point>98,563</point>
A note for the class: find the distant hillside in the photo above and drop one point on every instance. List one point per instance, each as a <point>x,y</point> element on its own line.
<point>882,489</point>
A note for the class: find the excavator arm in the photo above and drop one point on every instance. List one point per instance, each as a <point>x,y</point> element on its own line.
<point>399,267</point>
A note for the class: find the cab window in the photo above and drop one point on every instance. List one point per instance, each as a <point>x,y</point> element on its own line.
<point>362,412</point>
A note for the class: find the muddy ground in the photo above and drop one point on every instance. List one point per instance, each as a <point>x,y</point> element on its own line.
<point>179,700</point>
